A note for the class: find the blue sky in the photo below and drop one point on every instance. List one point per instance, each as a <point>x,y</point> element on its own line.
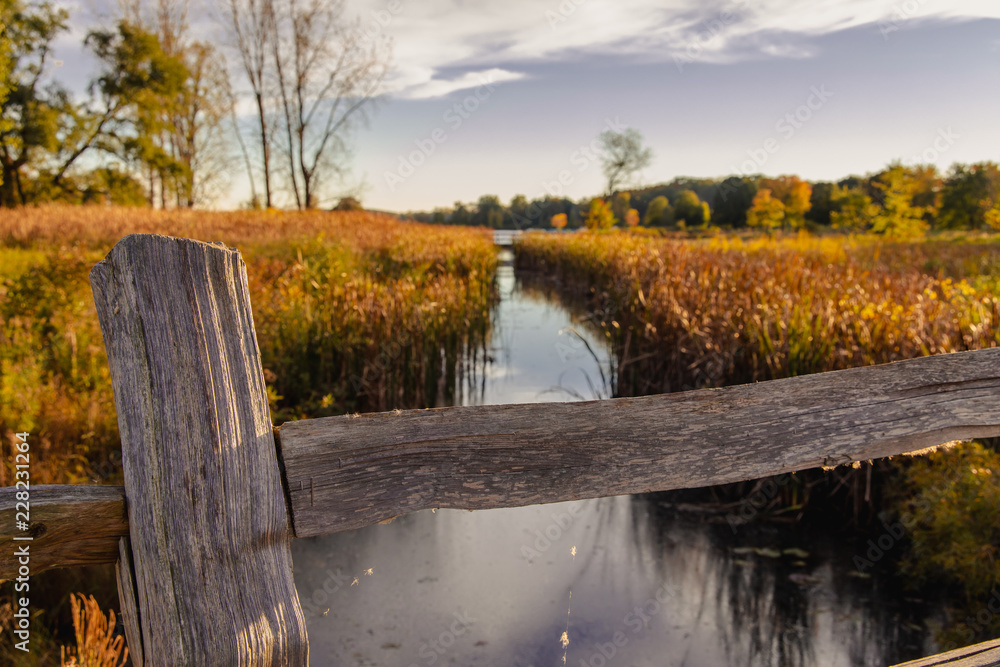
<point>822,89</point>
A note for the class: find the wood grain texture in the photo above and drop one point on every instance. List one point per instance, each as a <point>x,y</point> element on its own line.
<point>70,525</point>
<point>986,654</point>
<point>209,529</point>
<point>347,472</point>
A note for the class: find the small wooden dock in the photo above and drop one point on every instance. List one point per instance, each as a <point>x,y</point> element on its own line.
<point>213,493</point>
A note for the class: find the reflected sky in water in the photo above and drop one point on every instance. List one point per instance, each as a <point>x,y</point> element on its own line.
<point>628,580</point>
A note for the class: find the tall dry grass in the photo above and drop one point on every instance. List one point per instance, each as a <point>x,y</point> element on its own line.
<point>695,313</point>
<point>96,642</point>
<point>353,311</point>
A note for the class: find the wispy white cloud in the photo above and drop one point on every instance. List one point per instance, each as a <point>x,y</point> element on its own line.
<point>438,87</point>
<point>434,39</point>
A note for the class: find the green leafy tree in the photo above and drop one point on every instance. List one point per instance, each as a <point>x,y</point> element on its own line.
<point>599,216</point>
<point>623,155</point>
<point>111,185</point>
<point>140,85</point>
<point>851,209</point>
<point>461,215</point>
<point>6,53</point>
<point>489,212</point>
<point>195,122</point>
<point>620,205</point>
<point>971,197</point>
<point>33,117</point>
<point>517,211</point>
<point>732,201</point>
<point>659,213</point>
<point>820,204</point>
<point>898,217</point>
<point>690,210</point>
<point>927,190</point>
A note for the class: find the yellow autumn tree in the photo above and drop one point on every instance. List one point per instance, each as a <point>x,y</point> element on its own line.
<point>599,216</point>
<point>767,212</point>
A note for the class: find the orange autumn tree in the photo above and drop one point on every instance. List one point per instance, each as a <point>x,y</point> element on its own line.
<point>559,221</point>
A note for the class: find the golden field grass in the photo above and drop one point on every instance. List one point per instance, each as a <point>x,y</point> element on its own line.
<point>353,311</point>
<point>708,312</point>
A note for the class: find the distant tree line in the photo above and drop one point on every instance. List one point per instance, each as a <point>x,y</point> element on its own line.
<point>899,201</point>
<point>158,123</point>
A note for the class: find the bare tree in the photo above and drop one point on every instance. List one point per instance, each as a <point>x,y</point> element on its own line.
<point>328,74</point>
<point>623,155</point>
<point>199,137</point>
<point>251,27</point>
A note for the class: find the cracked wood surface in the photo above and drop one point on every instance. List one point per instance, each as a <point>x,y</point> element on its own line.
<point>347,472</point>
<point>70,526</point>
<point>211,569</point>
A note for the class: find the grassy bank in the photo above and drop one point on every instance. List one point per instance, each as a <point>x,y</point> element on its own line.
<point>709,312</point>
<point>353,312</point>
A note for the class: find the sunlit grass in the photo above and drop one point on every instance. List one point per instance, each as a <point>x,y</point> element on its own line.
<point>353,311</point>
<point>708,312</point>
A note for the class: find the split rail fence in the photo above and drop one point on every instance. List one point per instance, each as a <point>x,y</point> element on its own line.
<point>214,493</point>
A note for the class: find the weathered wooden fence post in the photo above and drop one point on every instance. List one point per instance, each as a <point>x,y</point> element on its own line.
<point>206,577</point>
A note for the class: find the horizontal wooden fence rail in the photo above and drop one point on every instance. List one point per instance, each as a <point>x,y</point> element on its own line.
<point>213,494</point>
<point>344,473</point>
<point>70,526</point>
<point>347,472</point>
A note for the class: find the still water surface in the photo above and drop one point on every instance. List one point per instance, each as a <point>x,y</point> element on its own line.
<point>617,581</point>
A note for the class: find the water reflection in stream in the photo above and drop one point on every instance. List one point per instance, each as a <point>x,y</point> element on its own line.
<point>646,586</point>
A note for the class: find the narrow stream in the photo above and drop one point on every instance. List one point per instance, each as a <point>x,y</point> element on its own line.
<point>617,581</point>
